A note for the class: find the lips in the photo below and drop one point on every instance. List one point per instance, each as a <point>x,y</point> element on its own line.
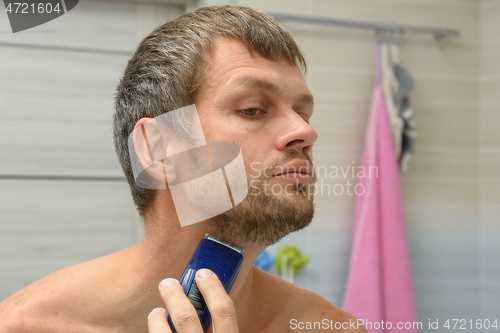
<point>295,169</point>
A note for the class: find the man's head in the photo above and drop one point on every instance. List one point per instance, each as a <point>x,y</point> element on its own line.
<point>242,70</point>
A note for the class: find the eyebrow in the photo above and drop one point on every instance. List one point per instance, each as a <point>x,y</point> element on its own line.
<point>269,87</point>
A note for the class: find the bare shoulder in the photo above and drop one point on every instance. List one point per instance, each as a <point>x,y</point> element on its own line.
<point>53,302</point>
<point>305,310</point>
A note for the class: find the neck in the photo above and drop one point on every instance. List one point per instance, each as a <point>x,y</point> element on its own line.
<point>166,249</point>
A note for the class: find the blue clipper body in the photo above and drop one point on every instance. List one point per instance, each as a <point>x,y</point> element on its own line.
<point>221,258</point>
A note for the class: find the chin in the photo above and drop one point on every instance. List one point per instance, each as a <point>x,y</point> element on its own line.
<point>264,219</point>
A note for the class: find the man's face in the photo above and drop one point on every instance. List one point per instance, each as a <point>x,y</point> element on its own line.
<point>264,107</point>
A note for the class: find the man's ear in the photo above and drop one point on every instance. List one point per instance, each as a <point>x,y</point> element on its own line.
<point>151,151</point>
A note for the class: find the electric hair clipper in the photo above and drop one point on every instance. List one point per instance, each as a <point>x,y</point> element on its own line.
<point>221,258</point>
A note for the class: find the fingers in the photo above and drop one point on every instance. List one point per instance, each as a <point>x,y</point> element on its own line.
<point>157,321</point>
<point>184,315</point>
<point>218,301</point>
<point>179,307</point>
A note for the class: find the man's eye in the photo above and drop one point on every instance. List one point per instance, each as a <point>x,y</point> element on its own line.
<point>251,112</point>
<point>305,117</point>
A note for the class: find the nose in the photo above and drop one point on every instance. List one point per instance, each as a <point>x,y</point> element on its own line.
<point>296,134</point>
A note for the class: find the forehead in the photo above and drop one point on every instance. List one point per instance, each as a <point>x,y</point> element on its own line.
<point>232,64</point>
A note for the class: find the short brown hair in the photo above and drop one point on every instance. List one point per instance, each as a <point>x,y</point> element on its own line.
<point>169,63</point>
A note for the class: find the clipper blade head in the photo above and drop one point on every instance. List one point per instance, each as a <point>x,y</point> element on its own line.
<point>220,241</point>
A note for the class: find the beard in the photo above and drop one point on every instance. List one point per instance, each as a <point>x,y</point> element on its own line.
<point>266,215</point>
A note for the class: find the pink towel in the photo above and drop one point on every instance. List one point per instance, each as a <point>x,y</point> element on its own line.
<point>379,286</point>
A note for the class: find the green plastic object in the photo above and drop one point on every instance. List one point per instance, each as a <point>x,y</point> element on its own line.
<point>293,256</point>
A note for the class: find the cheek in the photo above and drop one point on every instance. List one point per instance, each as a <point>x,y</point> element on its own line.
<point>255,155</point>
<point>214,131</point>
<point>255,143</point>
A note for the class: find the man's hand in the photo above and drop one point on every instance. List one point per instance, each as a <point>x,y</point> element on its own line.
<point>183,313</point>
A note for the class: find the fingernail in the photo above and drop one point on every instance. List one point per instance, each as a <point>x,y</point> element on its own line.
<point>156,310</point>
<point>203,273</point>
<point>167,282</point>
